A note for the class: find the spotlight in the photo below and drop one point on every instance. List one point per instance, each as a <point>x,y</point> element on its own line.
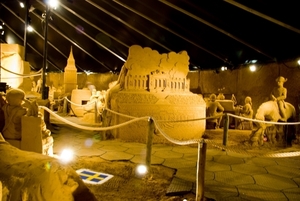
<point>22,4</point>
<point>52,3</point>
<point>223,68</point>
<point>29,28</point>
<point>66,155</point>
<point>252,68</point>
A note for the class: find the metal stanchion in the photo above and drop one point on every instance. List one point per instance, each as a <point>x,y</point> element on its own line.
<point>202,147</point>
<point>149,143</point>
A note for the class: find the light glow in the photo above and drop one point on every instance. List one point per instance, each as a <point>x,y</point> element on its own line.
<point>141,169</point>
<point>252,68</point>
<point>66,155</point>
<point>22,5</point>
<point>223,68</point>
<point>53,3</point>
<point>298,62</point>
<point>29,28</point>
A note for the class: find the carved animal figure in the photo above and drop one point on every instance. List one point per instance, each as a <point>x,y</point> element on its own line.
<point>269,111</point>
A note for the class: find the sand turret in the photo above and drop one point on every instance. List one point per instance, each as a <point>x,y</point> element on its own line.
<point>70,75</point>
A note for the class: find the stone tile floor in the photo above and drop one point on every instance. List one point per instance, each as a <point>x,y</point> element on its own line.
<point>228,175</point>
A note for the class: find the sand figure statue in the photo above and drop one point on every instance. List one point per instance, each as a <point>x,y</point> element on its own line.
<point>32,109</point>
<point>39,85</point>
<point>247,112</point>
<point>279,94</point>
<point>214,108</point>
<point>13,112</point>
<point>274,110</point>
<point>33,86</point>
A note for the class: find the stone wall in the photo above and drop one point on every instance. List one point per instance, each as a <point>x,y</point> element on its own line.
<point>243,82</point>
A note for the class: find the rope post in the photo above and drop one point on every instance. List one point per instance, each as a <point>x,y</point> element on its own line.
<point>149,142</point>
<point>225,129</point>
<point>202,147</point>
<point>65,107</point>
<point>96,113</point>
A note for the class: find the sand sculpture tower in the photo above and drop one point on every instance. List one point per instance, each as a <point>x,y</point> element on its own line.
<point>70,75</point>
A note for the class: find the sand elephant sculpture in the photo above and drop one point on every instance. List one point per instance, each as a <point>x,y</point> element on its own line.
<point>269,111</point>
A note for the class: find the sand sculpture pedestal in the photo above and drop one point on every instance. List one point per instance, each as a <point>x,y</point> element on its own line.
<point>155,85</point>
<point>32,137</point>
<point>162,107</point>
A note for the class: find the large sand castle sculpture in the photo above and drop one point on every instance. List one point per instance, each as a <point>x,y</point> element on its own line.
<point>153,84</point>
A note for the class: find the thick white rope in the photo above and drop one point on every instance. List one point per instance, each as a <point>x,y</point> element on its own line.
<point>89,127</point>
<point>266,122</point>
<point>175,141</point>
<point>120,114</point>
<point>23,75</point>
<point>72,103</point>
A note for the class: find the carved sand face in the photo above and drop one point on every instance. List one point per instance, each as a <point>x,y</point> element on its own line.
<point>280,83</point>
<point>15,97</point>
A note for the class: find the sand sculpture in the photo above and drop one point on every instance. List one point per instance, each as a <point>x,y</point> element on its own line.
<point>153,84</point>
<point>12,61</point>
<point>70,74</point>
<point>13,113</point>
<point>247,112</point>
<point>19,114</point>
<point>94,107</point>
<point>32,176</point>
<point>214,108</point>
<point>274,110</point>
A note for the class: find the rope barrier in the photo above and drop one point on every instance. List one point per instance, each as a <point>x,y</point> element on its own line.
<point>123,115</point>
<point>79,105</point>
<point>89,127</point>
<point>169,138</point>
<point>22,75</point>
<point>261,121</point>
<point>175,141</point>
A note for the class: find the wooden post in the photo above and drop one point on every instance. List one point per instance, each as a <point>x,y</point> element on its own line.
<point>96,113</point>
<point>225,129</point>
<point>65,107</point>
<point>104,123</point>
<point>202,146</point>
<point>149,142</point>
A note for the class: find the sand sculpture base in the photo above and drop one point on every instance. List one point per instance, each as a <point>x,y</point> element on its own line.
<point>161,106</point>
<point>79,97</point>
<point>31,176</point>
<point>32,137</point>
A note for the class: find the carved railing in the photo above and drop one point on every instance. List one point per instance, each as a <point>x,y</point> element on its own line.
<point>157,83</point>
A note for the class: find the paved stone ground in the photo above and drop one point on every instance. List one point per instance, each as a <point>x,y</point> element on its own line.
<point>229,175</point>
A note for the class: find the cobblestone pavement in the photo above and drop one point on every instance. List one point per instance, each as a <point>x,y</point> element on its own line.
<point>228,175</point>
